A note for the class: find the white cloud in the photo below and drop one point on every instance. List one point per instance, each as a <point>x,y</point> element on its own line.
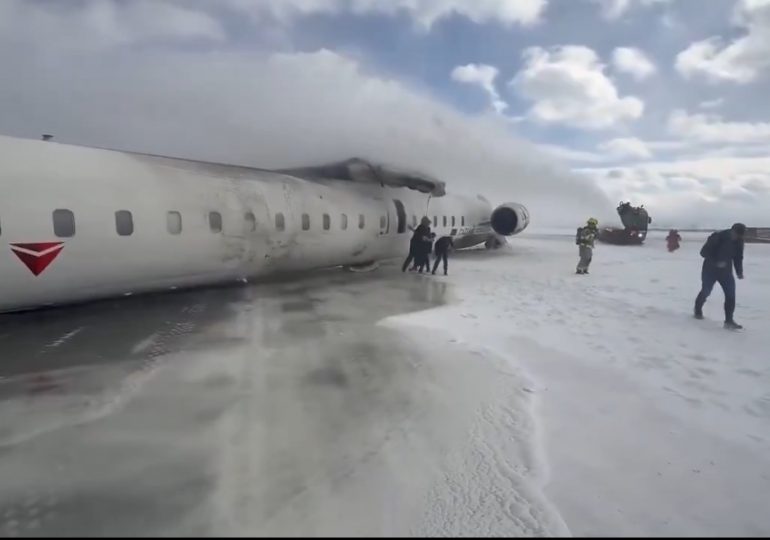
<point>484,76</point>
<point>106,24</point>
<point>571,155</point>
<point>628,147</point>
<point>711,103</point>
<point>742,60</point>
<point>633,61</point>
<point>667,145</point>
<point>712,129</point>
<point>277,110</point>
<point>613,9</point>
<point>425,12</point>
<point>117,22</point>
<point>717,62</point>
<point>702,192</point>
<point>757,183</point>
<point>568,86</point>
<point>625,149</point>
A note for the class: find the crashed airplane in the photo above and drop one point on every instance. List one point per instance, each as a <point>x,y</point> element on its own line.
<point>82,223</point>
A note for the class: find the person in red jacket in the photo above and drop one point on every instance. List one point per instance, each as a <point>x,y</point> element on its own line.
<point>672,240</point>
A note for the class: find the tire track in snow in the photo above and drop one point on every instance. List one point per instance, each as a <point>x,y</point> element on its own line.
<point>65,338</point>
<point>111,400</point>
<point>36,509</point>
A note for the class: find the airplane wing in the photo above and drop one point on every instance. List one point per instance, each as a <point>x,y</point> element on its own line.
<point>359,170</point>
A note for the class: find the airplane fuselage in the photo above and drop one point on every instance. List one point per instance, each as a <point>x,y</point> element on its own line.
<point>80,223</point>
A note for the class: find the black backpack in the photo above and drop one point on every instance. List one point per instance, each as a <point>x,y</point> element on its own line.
<point>578,235</point>
<point>710,246</point>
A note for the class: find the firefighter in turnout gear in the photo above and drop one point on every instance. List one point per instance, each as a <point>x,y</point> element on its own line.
<point>586,236</point>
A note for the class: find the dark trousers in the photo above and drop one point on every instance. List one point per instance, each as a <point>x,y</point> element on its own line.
<point>710,275</point>
<point>422,262</point>
<point>441,256</point>
<point>408,260</point>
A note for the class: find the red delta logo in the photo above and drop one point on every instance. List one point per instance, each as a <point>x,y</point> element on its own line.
<point>37,256</point>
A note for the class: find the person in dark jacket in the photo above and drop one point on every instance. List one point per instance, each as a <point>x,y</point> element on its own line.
<point>722,251</point>
<point>443,245</point>
<point>421,234</point>
<point>422,257</point>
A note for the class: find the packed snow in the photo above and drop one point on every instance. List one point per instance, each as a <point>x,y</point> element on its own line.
<point>645,420</point>
<point>510,398</point>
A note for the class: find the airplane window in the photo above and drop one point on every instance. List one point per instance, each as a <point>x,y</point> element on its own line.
<point>462,221</point>
<point>414,220</point>
<point>327,222</point>
<point>63,223</point>
<point>305,222</point>
<point>444,221</point>
<point>383,222</point>
<point>124,223</point>
<point>174,222</point>
<point>251,221</point>
<point>453,221</point>
<point>344,222</point>
<point>435,221</point>
<point>280,222</point>
<point>215,222</point>
<point>361,221</point>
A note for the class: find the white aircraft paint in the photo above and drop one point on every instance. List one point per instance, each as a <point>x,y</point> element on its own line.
<point>37,178</point>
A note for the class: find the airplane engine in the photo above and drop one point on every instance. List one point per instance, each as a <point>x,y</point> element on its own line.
<point>509,219</point>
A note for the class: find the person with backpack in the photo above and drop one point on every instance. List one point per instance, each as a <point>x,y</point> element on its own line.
<point>585,238</point>
<point>722,251</point>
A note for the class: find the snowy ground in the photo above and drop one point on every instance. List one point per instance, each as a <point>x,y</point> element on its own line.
<point>281,409</point>
<point>646,421</point>
<point>510,398</point>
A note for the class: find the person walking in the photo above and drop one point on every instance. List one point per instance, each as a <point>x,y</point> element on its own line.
<point>672,240</point>
<point>722,251</point>
<point>443,245</point>
<point>585,240</point>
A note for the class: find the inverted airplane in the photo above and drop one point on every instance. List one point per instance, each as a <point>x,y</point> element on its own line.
<point>81,223</point>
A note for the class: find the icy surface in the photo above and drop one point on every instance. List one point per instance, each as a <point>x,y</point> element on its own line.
<point>652,423</point>
<point>509,398</point>
<point>282,409</point>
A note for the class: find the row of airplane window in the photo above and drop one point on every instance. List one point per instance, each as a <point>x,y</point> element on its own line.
<point>64,222</point>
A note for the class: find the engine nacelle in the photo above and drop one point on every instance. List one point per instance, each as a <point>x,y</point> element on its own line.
<point>509,219</point>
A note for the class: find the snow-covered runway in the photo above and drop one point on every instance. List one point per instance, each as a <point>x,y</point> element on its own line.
<point>510,398</point>
<point>651,422</point>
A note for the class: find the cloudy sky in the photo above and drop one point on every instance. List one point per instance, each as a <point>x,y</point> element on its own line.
<point>565,105</point>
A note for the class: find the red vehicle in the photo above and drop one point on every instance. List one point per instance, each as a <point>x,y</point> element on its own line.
<point>634,232</point>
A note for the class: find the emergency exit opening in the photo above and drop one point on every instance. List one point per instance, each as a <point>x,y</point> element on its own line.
<point>401,214</point>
